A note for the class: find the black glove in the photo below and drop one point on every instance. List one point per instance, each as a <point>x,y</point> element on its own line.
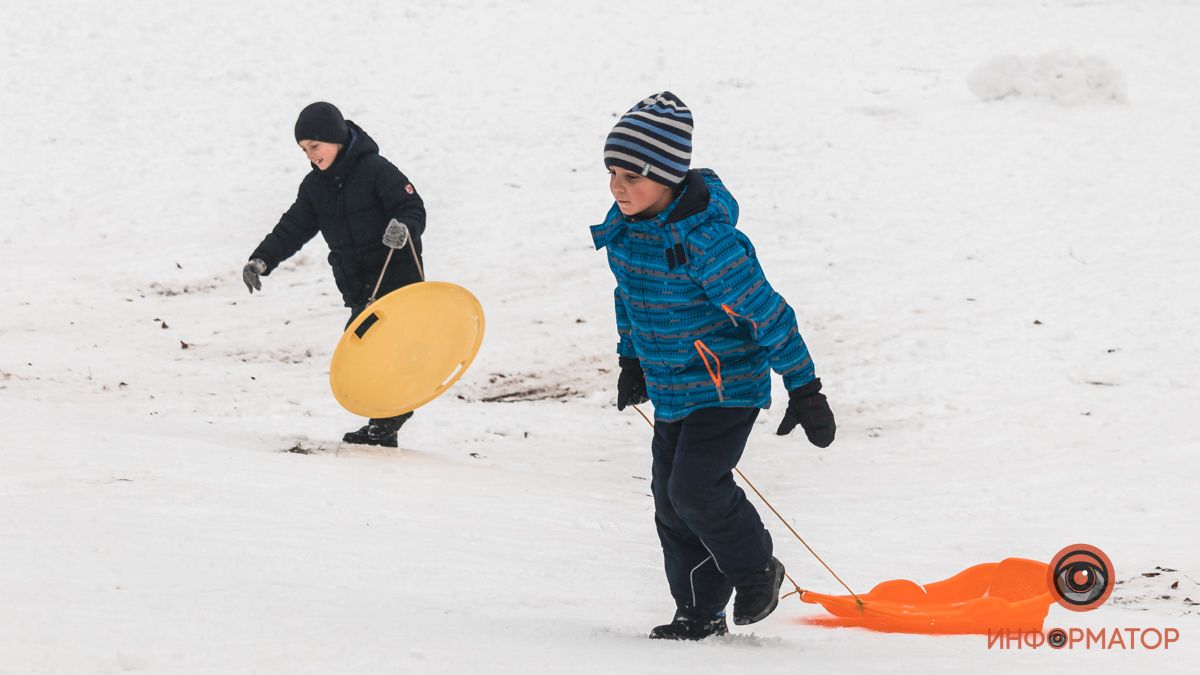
<point>631,384</point>
<point>808,407</point>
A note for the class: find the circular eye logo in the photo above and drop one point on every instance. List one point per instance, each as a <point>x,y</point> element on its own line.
<point>1057,638</point>
<point>1081,577</point>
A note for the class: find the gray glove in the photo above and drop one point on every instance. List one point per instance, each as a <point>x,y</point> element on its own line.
<point>396,235</point>
<point>250,274</point>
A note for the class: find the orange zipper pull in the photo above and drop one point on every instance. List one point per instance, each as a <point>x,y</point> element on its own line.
<point>715,377</point>
<point>730,313</point>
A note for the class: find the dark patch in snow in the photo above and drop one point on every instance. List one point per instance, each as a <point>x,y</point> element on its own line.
<point>550,392</point>
<point>301,448</point>
<point>187,288</point>
<point>1158,589</point>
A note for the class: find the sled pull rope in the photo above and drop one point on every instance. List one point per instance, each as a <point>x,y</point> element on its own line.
<point>412,248</point>
<point>381,273</point>
<point>420,270</point>
<point>799,591</point>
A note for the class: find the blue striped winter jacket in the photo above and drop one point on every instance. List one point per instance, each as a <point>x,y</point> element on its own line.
<point>694,305</point>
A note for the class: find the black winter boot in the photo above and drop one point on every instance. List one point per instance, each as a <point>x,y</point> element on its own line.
<point>378,432</point>
<point>757,593</point>
<point>688,627</point>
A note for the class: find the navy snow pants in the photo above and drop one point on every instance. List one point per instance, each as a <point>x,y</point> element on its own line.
<point>710,532</point>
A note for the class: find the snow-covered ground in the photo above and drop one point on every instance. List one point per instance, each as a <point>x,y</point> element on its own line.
<point>984,214</point>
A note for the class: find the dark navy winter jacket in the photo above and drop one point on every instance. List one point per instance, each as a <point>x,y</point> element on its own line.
<point>694,306</point>
<point>350,204</point>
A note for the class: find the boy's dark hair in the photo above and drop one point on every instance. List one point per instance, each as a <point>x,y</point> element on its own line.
<point>321,121</point>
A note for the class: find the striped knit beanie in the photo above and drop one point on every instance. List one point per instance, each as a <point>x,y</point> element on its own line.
<point>653,139</point>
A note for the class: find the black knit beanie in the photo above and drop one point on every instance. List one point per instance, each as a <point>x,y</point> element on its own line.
<point>321,122</point>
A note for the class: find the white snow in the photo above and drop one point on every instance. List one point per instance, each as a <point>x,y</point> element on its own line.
<point>1000,298</point>
<point>1063,77</point>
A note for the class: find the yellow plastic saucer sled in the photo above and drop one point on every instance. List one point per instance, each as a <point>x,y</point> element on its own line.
<point>406,349</point>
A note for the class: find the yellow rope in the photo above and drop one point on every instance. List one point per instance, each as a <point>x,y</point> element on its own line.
<point>786,524</point>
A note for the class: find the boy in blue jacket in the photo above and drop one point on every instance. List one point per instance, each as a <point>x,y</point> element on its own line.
<point>700,330</point>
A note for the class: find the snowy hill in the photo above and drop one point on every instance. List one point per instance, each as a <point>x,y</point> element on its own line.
<point>984,215</point>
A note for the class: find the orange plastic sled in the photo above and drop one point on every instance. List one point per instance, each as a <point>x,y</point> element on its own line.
<point>1012,594</point>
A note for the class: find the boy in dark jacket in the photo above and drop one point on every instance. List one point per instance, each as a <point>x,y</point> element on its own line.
<point>350,197</point>
<point>700,331</point>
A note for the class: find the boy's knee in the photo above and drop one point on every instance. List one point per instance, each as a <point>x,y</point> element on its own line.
<point>693,503</point>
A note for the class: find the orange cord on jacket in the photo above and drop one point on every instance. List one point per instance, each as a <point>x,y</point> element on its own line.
<point>716,377</point>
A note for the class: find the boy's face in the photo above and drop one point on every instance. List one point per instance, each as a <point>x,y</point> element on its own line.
<point>320,153</point>
<point>637,194</point>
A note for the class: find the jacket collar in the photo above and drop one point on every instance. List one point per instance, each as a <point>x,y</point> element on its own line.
<point>692,200</point>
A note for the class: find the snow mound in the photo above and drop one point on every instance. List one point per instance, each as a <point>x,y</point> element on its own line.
<point>1063,77</point>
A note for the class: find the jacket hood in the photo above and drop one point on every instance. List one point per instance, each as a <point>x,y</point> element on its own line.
<point>704,198</point>
<point>359,145</point>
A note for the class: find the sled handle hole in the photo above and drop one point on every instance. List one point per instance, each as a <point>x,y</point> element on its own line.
<point>366,325</point>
